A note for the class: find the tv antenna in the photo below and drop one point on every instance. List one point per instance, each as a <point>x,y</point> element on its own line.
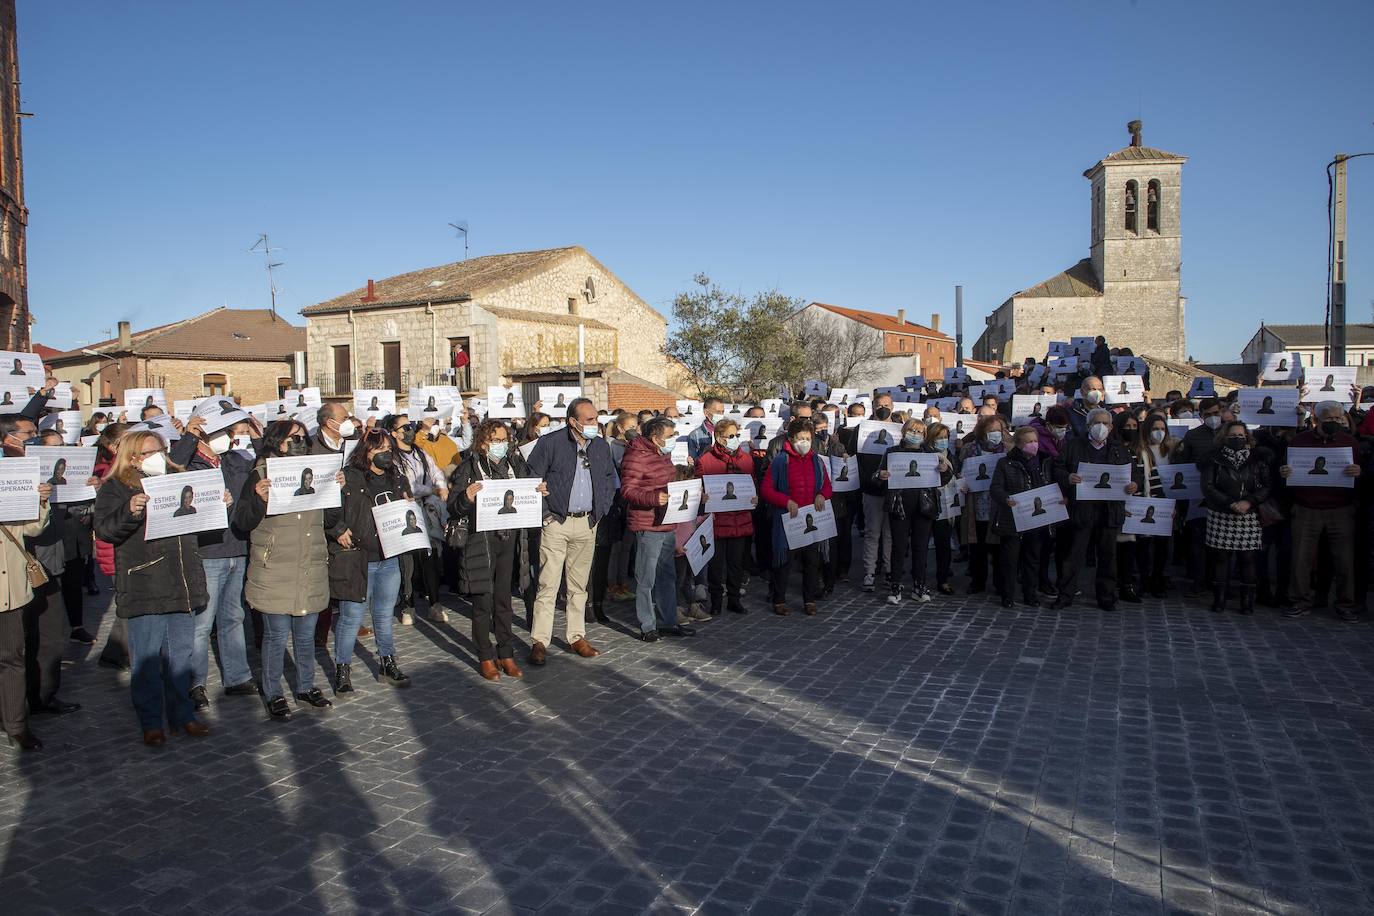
<point>462,226</point>
<point>267,256</point>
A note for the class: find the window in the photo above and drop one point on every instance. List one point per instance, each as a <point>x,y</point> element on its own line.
<point>930,348</point>
<point>391,365</point>
<point>215,383</point>
<point>1132,198</point>
<point>1152,206</point>
<point>463,377</point>
<point>572,305</point>
<point>343,369</point>
<point>284,384</point>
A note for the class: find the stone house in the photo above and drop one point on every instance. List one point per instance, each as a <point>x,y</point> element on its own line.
<point>517,317</point>
<point>15,319</point>
<point>1128,288</point>
<point>251,354</point>
<point>906,348</point>
<point>1310,341</point>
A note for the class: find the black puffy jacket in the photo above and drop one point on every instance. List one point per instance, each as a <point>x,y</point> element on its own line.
<point>164,576</point>
<point>475,564</point>
<point>1223,484</point>
<point>1016,473</point>
<point>1078,451</point>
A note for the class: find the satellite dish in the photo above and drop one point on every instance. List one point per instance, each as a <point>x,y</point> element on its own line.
<point>589,288</point>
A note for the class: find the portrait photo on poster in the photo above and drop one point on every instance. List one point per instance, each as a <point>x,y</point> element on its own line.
<point>701,545</point>
<point>401,527</point>
<point>811,526</point>
<point>505,403</point>
<point>185,503</point>
<point>978,470</point>
<point>844,473</point>
<point>1268,406</point>
<point>1329,383</point>
<point>1180,481</point>
<point>912,470</point>
<point>728,492</point>
<point>66,468</point>
<point>304,482</point>
<point>1320,467</point>
<point>1039,507</point>
<point>684,501</point>
<point>19,480</point>
<point>1102,482</point>
<point>511,503</point>
<point>1149,517</point>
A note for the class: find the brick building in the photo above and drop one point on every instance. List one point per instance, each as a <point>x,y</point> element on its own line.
<point>14,216</point>
<point>517,317</point>
<point>250,354</point>
<point>907,348</point>
<point>1128,288</point>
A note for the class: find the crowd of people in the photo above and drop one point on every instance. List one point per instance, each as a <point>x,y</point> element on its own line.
<point>321,579</point>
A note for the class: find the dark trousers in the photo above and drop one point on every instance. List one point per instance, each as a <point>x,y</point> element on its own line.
<point>1199,570</point>
<point>74,592</point>
<point>980,555</point>
<point>910,535</point>
<point>14,709</point>
<point>1142,562</point>
<point>1018,555</point>
<point>1277,556</point>
<point>419,566</point>
<point>809,559</point>
<point>1103,538</point>
<point>116,651</point>
<point>1056,543</point>
<point>686,582</point>
<point>1237,563</point>
<point>725,572</point>
<point>601,569</point>
<point>763,539</point>
<point>941,531</point>
<point>45,634</point>
<point>491,612</point>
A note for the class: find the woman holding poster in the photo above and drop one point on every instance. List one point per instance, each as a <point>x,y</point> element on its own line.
<point>288,573</point>
<point>491,561</point>
<point>912,514</point>
<point>1018,552</point>
<point>1235,480</point>
<point>729,454</point>
<point>796,479</point>
<point>14,595</point>
<point>989,437</point>
<point>159,587</point>
<point>361,578</point>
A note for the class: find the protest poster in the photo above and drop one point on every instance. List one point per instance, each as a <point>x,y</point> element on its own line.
<point>1026,406</point>
<point>554,399</point>
<point>67,469</point>
<point>511,503</point>
<point>1003,388</point>
<point>61,397</point>
<point>433,402</point>
<point>956,375</point>
<point>1284,367</point>
<point>1130,365</point>
<point>1124,389</point>
<point>373,402</point>
<point>951,500</point>
<point>1149,517</point>
<point>1039,507</point>
<point>184,504</point>
<point>914,382</point>
<point>66,423</point>
<point>1268,406</point>
<point>1063,366</point>
<point>728,492</point>
<point>811,526</point>
<point>162,425</point>
<point>815,388</point>
<point>976,393</point>
<point>505,403</point>
<point>13,398</point>
<point>1332,383</point>
<point>305,482</point>
<point>876,436</point>
<point>183,410</point>
<point>682,452</point>
<point>959,425</point>
<point>1179,426</point>
<point>401,527</point>
<point>843,397</point>
<point>1057,348</point>
<point>19,479</point>
<point>527,449</point>
<point>1035,374</point>
<point>1103,482</point>
<point>1083,346</point>
<point>1320,467</point>
<point>1202,387</point>
<point>701,546</point>
<point>946,404</point>
<point>978,470</point>
<point>771,406</point>
<point>912,470</point>
<point>221,413</point>
<point>26,366</point>
<point>1181,481</point>
<point>302,397</point>
<point>135,399</point>
<point>844,474</point>
<point>684,501</point>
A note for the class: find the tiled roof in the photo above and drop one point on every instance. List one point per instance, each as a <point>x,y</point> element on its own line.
<point>1135,154</point>
<point>545,317</point>
<point>448,282</point>
<point>1314,335</point>
<point>990,368</point>
<point>45,352</point>
<point>881,322</point>
<point>1243,374</point>
<point>222,333</point>
<point>1190,370</point>
<point>1080,280</point>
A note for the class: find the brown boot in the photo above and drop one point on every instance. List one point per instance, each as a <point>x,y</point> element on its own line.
<point>154,737</point>
<point>509,668</point>
<point>781,609</point>
<point>583,648</point>
<point>809,609</point>
<point>194,729</point>
<point>488,670</point>
<point>538,654</point>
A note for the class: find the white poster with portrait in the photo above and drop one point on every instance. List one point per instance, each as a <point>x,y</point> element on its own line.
<point>1283,368</point>
<point>876,436</point>
<point>221,413</point>
<point>977,471</point>
<point>13,398</point>
<point>1180,481</point>
<point>1103,482</point>
<point>684,501</point>
<point>1026,406</point>
<point>1057,348</point>
<point>304,482</point>
<point>1320,467</point>
<point>843,397</point>
<point>815,388</point>
<point>1202,387</point>
<point>1149,517</point>
<point>162,425</point>
<point>185,503</point>
<point>811,526</point>
<point>1083,345</point>
<point>67,469</point>
<point>303,397</point>
<point>1063,366</point>
<point>914,382</point>
<point>371,403</point>
<point>761,430</point>
<point>1268,406</point>
<point>1329,383</point>
<point>912,470</point>
<point>1130,365</point>
<point>19,479</point>
<point>401,527</point>
<point>505,403</point>
<point>26,366</point>
<point>772,407</point>
<point>66,423</point>
<point>135,399</point>
<point>959,425</point>
<point>1124,389</point>
<point>1180,426</point>
<point>951,500</point>
<point>433,402</point>
<point>554,399</point>
<point>728,492</point>
<point>844,474</point>
<point>183,410</point>
<point>956,375</point>
<point>511,503</point>
<point>701,546</point>
<point>1039,507</point>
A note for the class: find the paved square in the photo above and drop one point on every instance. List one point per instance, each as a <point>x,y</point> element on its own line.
<point>951,758</point>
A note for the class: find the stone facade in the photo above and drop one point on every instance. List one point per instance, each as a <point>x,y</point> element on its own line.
<point>14,215</point>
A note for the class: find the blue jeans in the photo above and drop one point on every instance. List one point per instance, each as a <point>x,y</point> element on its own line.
<point>302,630</point>
<point>655,578</point>
<point>160,662</point>
<point>383,584</point>
<point>224,612</point>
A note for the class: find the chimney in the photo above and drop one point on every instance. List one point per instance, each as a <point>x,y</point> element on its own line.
<point>371,292</point>
<point>126,339</point>
<point>935,321</point>
<point>901,316</point>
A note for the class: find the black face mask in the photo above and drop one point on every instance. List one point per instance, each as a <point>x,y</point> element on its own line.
<point>405,434</point>
<point>1235,443</point>
<point>382,461</point>
<point>882,413</point>
<point>295,447</point>
<point>1331,427</point>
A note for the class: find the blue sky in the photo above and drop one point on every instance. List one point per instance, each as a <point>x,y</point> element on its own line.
<point>866,154</point>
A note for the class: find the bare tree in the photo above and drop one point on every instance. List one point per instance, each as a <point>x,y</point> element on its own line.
<point>837,351</point>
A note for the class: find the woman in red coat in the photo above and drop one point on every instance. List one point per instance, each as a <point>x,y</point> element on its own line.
<point>729,454</point>
<point>644,475</point>
<point>796,482</point>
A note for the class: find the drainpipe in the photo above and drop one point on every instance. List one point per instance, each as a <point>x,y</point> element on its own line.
<point>433,343</point>
<point>352,353</point>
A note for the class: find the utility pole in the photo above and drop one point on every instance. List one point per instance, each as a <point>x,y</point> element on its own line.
<point>958,325</point>
<point>1336,340</point>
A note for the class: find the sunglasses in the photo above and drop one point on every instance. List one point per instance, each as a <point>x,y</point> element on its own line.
<point>586,462</point>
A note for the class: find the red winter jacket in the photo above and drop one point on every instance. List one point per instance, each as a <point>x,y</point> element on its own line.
<point>644,474</point>
<point>717,460</point>
<point>801,479</point>
<point>104,550</point>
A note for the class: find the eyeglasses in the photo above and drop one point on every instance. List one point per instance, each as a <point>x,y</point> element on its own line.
<point>145,454</point>
<point>586,462</point>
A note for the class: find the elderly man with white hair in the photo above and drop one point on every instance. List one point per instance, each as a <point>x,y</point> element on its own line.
<point>1090,395</point>
<point>1325,510</point>
<point>1092,521</point>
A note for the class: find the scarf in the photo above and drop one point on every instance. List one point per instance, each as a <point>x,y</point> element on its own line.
<point>1234,457</point>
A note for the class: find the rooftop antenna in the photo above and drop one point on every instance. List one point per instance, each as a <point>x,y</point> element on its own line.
<point>462,226</point>
<point>267,256</point>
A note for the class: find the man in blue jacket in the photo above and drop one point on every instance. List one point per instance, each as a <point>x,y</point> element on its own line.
<point>700,439</point>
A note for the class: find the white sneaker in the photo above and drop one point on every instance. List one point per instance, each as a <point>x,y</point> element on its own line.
<point>895,596</point>
<point>922,595</point>
<point>438,614</point>
<point>868,583</point>
<point>407,619</point>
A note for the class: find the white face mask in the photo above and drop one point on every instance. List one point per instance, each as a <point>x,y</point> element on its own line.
<point>434,433</point>
<point>1098,432</point>
<point>1212,422</point>
<point>242,443</point>
<point>1092,397</point>
<point>346,429</point>
<point>1185,415</point>
<point>100,428</point>
<point>219,445</point>
<point>154,465</point>
<point>1156,436</point>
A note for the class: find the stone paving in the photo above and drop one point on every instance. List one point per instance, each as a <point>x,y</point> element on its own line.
<point>947,758</point>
